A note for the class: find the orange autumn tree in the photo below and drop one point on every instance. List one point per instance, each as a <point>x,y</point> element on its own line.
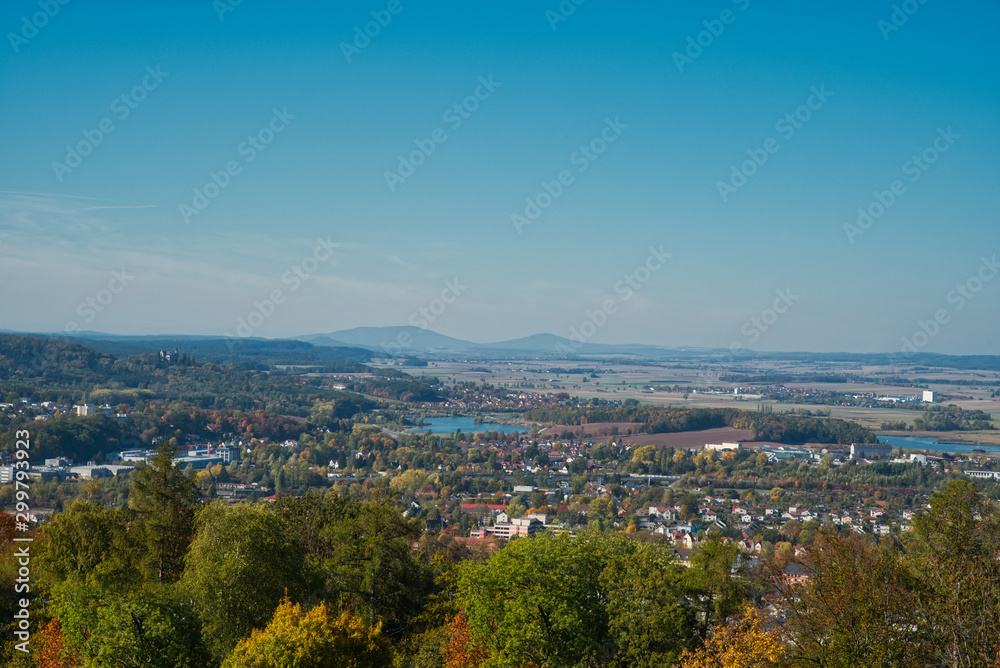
<point>52,650</point>
<point>462,650</point>
<point>745,644</point>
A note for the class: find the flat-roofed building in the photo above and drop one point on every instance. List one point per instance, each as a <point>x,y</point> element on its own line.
<point>99,470</point>
<point>870,450</point>
<point>722,446</point>
<point>519,526</point>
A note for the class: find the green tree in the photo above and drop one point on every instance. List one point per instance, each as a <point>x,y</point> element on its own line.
<point>361,554</point>
<point>810,529</point>
<point>540,600</point>
<point>650,616</point>
<point>89,542</point>
<point>515,508</point>
<point>713,583</point>
<point>955,546</point>
<point>408,482</point>
<point>537,499</point>
<point>240,565</point>
<point>164,499</point>
<point>153,626</point>
<point>596,599</point>
<point>603,511</point>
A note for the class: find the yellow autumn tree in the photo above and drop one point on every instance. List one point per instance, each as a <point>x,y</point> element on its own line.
<point>316,639</point>
<point>408,482</point>
<point>745,644</point>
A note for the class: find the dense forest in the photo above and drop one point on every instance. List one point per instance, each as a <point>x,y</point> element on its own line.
<point>67,373</point>
<point>952,418</point>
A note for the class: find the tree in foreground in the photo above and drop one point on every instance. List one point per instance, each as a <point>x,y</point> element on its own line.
<point>955,546</point>
<point>858,608</point>
<point>539,600</point>
<point>462,650</point>
<point>92,543</point>
<point>52,650</point>
<point>932,599</point>
<point>362,556</point>
<point>152,627</point>
<point>652,614</point>
<point>745,644</point>
<point>315,639</point>
<point>239,567</point>
<point>595,599</point>
<point>164,499</point>
<point>107,614</point>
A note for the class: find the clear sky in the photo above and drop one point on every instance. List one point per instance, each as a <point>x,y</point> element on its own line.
<point>113,114</point>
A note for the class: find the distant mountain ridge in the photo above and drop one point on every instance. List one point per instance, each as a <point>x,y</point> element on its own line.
<point>361,344</point>
<point>394,340</point>
<point>403,340</point>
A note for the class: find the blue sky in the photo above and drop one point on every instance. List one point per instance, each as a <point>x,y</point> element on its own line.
<point>678,124</point>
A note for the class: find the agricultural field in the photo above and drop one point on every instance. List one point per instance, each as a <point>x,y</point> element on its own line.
<point>702,385</point>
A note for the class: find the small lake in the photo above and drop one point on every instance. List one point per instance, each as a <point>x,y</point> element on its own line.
<point>923,443</point>
<point>449,425</point>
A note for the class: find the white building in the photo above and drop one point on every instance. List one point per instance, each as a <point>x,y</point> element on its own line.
<point>983,475</point>
<point>928,396</point>
<point>519,526</point>
<point>59,462</point>
<point>722,446</point>
<point>99,471</point>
